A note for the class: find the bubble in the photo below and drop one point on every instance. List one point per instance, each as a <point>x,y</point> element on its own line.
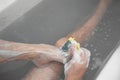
<point>91,45</point>
<point>107,35</point>
<point>15,31</point>
<point>105,38</point>
<point>92,68</point>
<point>93,59</point>
<point>105,32</point>
<point>104,24</point>
<point>93,32</point>
<point>101,29</point>
<point>118,20</point>
<point>94,50</point>
<point>97,54</point>
<point>97,63</point>
<point>86,45</point>
<point>109,30</point>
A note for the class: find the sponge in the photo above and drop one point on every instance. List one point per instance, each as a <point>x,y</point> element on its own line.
<point>68,44</point>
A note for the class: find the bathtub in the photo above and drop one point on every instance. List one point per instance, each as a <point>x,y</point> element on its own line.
<point>45,21</point>
<point>111,66</point>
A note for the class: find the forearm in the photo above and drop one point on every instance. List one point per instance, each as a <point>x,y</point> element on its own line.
<point>16,51</point>
<point>10,51</point>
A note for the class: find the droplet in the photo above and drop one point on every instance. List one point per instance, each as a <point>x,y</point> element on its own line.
<point>107,35</point>
<point>97,54</point>
<point>109,30</point>
<point>97,63</point>
<point>93,32</point>
<point>92,68</point>
<point>94,50</point>
<point>91,45</point>
<point>119,20</point>
<point>61,79</point>
<point>105,38</point>
<point>105,32</point>
<point>104,24</point>
<point>93,59</point>
<point>15,31</point>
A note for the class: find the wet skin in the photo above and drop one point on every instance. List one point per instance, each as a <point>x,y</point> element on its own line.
<point>51,67</point>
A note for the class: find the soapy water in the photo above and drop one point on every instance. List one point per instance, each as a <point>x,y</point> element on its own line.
<point>85,45</point>
<point>105,38</point>
<point>96,59</point>
<point>94,50</point>
<point>107,35</point>
<point>94,31</point>
<point>97,62</point>
<point>91,45</point>
<point>119,20</point>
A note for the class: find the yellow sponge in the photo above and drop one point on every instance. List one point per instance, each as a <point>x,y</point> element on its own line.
<point>77,45</point>
<point>70,41</point>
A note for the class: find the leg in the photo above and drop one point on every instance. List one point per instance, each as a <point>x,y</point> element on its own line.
<point>80,35</point>
<point>45,72</point>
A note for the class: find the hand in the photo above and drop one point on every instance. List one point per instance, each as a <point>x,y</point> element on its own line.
<point>76,67</point>
<point>49,54</point>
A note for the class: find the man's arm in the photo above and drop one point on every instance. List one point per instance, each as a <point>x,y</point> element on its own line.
<point>10,51</point>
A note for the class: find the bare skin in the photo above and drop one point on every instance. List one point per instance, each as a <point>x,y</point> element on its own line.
<point>10,51</point>
<point>80,35</point>
<point>42,53</point>
<point>54,69</point>
<point>84,31</point>
<point>45,72</point>
<point>76,67</point>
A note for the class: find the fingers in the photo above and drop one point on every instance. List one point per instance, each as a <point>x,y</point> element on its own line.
<point>82,57</point>
<point>78,60</point>
<point>87,55</point>
<point>50,54</point>
<point>69,55</point>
